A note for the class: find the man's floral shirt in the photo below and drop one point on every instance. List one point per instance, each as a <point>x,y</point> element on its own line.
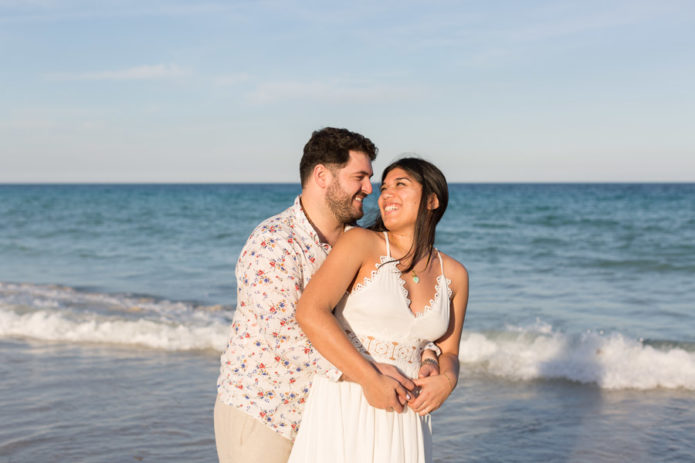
<point>268,364</point>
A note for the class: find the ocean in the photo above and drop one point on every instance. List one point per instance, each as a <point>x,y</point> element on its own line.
<point>578,345</point>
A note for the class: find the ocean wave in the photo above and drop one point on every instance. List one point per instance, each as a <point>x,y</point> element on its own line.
<point>64,314</point>
<point>28,296</point>
<point>514,353</point>
<point>611,361</point>
<point>47,326</point>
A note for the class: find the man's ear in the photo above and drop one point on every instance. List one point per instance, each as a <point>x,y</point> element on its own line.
<point>433,202</point>
<point>322,175</point>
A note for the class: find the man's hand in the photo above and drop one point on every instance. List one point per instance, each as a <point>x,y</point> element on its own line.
<point>429,363</point>
<point>428,368</point>
<point>392,371</point>
<point>385,393</point>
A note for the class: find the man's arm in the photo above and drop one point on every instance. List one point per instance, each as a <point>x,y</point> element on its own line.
<point>270,279</point>
<point>429,362</point>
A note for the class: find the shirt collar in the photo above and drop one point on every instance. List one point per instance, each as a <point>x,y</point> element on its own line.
<point>304,223</point>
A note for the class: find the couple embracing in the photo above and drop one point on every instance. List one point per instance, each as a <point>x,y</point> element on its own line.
<point>346,367</point>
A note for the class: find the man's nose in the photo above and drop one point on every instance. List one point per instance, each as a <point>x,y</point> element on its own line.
<point>367,187</point>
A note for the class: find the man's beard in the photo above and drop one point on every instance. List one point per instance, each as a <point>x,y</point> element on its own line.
<point>340,204</point>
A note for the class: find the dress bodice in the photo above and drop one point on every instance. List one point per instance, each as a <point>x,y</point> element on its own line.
<point>378,319</point>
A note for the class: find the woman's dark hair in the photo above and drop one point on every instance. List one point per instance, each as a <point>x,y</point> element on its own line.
<point>332,146</point>
<point>433,181</point>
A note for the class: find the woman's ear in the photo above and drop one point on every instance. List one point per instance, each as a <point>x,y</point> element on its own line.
<point>433,202</point>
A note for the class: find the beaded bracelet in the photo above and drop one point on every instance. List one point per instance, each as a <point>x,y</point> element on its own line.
<point>431,361</point>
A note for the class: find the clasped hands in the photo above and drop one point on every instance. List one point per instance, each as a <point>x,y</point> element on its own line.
<point>392,391</point>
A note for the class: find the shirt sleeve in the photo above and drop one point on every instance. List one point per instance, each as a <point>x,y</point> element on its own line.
<point>270,278</point>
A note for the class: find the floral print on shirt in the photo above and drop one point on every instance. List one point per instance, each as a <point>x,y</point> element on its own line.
<point>268,363</point>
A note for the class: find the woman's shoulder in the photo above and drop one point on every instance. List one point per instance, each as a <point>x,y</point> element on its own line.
<point>360,233</point>
<point>454,270</point>
<point>361,238</point>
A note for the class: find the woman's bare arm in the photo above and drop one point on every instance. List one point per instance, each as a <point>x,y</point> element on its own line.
<point>315,316</point>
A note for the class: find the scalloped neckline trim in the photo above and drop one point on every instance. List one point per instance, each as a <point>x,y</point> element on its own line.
<point>368,280</point>
<point>429,306</point>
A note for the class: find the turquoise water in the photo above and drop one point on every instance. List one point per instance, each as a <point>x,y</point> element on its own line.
<point>582,299</point>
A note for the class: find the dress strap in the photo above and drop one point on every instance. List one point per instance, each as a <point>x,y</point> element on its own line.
<point>441,262</point>
<point>388,247</point>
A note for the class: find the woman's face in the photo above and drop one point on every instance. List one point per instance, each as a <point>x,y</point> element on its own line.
<point>399,199</point>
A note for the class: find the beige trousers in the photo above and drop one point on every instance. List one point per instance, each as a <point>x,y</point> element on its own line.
<point>244,439</point>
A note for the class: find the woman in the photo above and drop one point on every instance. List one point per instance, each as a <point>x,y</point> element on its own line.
<point>402,294</point>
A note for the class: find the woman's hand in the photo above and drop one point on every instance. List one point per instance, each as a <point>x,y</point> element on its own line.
<point>434,390</point>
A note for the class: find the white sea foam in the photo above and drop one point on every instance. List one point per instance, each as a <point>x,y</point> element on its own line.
<point>63,314</point>
<point>47,326</point>
<point>518,353</point>
<point>610,361</point>
<point>56,297</point>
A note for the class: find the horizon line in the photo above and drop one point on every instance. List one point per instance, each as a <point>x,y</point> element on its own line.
<point>469,182</point>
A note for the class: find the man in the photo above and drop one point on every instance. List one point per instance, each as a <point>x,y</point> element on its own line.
<point>268,364</point>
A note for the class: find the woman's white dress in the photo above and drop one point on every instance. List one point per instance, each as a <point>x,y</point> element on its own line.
<point>338,424</point>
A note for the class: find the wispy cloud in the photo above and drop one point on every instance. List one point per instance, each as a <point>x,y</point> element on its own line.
<point>562,19</point>
<point>47,118</point>
<point>70,10</point>
<point>331,92</point>
<point>147,72</point>
<point>231,79</point>
<point>491,35</point>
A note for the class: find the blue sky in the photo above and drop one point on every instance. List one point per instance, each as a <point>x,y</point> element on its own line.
<point>183,91</point>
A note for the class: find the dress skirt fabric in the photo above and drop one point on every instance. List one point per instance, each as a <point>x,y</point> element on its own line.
<point>339,426</point>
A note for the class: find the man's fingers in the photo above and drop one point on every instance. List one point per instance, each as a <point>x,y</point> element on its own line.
<point>432,370</point>
<point>397,407</point>
<point>393,372</point>
<point>402,395</point>
<point>402,398</point>
<point>425,371</point>
<point>405,381</point>
<point>396,402</point>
